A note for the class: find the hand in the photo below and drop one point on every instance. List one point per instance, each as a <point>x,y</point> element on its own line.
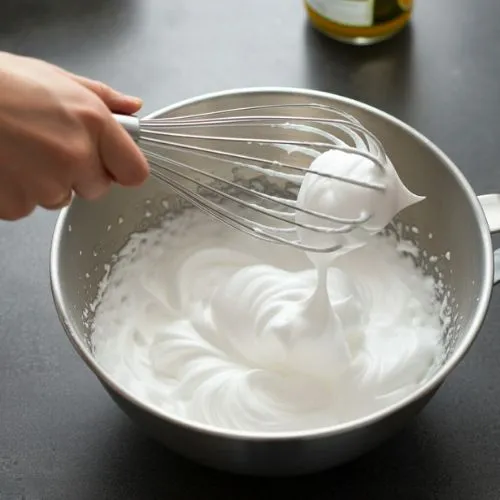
<point>58,136</point>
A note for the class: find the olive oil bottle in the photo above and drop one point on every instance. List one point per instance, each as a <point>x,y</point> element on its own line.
<point>359,22</point>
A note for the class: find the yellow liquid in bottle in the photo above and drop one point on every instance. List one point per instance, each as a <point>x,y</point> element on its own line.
<point>359,22</point>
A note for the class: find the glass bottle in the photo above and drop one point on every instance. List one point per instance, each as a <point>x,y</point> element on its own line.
<point>359,22</point>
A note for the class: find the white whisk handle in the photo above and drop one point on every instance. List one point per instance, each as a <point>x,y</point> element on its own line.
<point>131,124</point>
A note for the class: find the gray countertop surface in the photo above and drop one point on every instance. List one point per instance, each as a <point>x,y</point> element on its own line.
<point>61,437</point>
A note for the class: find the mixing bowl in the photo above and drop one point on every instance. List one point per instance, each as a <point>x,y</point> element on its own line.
<point>453,225</point>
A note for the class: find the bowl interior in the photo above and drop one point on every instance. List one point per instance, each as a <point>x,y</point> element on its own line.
<point>448,225</point>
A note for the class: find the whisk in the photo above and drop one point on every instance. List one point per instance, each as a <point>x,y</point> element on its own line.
<point>237,189</point>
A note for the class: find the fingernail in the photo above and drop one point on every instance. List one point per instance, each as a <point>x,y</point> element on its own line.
<point>136,100</point>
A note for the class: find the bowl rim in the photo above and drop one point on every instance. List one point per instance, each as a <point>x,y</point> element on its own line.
<point>424,390</point>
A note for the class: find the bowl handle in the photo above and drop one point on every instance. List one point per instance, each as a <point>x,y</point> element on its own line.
<point>491,208</point>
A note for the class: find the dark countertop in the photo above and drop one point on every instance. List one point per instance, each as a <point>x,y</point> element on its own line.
<point>61,437</point>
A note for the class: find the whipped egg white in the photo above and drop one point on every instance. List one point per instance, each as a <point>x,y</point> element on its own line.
<point>212,326</point>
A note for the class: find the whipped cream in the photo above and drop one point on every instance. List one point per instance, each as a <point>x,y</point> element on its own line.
<point>210,325</point>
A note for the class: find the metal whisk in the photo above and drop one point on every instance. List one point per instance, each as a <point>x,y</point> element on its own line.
<point>243,197</point>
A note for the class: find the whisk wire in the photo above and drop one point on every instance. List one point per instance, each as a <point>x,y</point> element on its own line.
<point>271,163</point>
<point>236,221</point>
<point>159,162</point>
<point>232,198</point>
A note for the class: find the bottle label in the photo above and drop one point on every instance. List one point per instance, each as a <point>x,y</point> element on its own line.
<point>349,12</point>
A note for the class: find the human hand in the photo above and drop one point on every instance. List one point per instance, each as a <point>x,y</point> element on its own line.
<point>58,136</point>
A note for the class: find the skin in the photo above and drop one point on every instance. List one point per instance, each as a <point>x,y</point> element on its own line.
<point>58,137</point>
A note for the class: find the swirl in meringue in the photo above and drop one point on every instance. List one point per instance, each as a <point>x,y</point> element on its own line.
<point>212,326</point>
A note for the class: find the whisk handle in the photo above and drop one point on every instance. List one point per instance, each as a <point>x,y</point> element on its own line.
<point>131,124</point>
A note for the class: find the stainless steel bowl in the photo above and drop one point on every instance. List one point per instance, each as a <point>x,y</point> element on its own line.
<point>87,236</point>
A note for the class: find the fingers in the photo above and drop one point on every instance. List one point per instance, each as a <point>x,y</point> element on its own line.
<point>120,155</point>
<point>24,194</point>
<point>121,158</point>
<point>94,187</point>
<point>61,201</point>
<point>14,203</point>
<point>114,100</point>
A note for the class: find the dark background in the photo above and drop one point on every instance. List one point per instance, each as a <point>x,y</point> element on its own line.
<point>61,437</point>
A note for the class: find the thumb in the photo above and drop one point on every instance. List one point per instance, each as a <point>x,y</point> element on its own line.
<point>114,100</point>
